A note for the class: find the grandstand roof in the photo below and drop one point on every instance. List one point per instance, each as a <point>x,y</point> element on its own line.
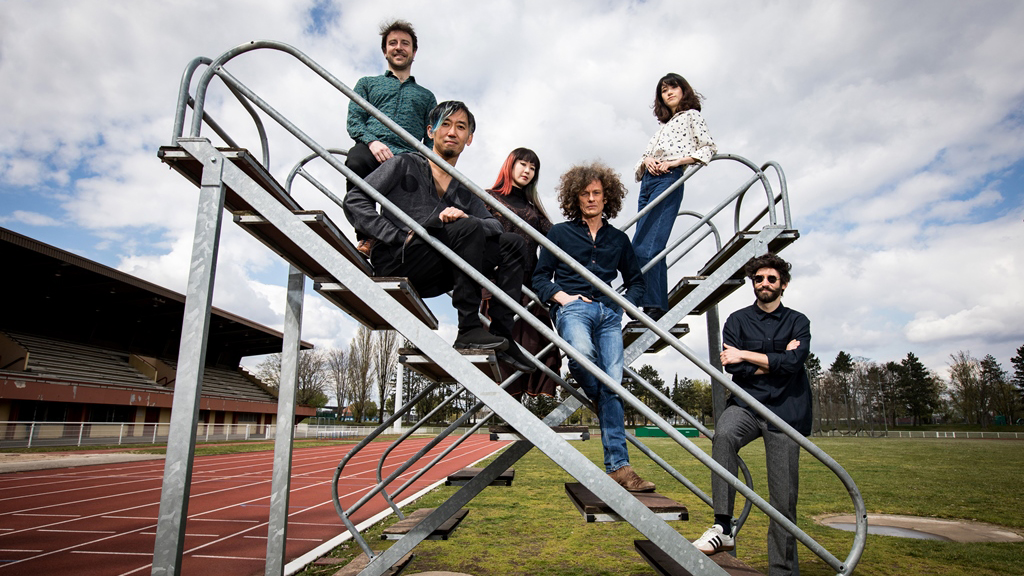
<point>53,293</point>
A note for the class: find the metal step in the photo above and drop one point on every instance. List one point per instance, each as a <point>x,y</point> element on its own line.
<point>280,243</point>
<point>462,477</point>
<point>740,240</point>
<point>485,360</point>
<point>398,288</point>
<point>594,509</point>
<point>192,169</point>
<point>399,529</point>
<point>505,432</point>
<point>358,564</point>
<point>664,565</point>
<point>633,329</point>
<point>689,283</point>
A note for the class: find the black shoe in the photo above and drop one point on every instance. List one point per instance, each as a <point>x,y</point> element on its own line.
<point>480,339</point>
<point>515,357</point>
<point>654,313</point>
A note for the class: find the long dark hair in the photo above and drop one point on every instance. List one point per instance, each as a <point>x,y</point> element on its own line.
<point>690,101</point>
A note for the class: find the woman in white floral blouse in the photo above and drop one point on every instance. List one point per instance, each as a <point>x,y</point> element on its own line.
<point>683,139</point>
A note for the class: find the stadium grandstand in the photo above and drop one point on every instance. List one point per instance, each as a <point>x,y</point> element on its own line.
<point>88,352</point>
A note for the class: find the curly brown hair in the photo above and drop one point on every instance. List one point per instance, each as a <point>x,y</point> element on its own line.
<point>769,260</point>
<point>577,178</point>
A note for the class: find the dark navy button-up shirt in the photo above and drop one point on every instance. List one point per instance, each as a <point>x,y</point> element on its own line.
<point>607,255</point>
<point>785,389</point>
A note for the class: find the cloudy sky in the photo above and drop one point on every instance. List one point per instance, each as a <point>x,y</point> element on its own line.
<point>898,126</point>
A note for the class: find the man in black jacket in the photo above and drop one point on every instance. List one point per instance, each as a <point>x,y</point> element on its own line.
<point>455,216</point>
<point>765,346</point>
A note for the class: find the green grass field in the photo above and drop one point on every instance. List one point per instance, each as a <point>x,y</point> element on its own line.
<point>531,528</point>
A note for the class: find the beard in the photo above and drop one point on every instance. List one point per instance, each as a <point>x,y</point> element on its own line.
<point>768,294</point>
<point>396,66</point>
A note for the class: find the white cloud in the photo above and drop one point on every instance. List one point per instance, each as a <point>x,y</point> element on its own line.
<point>898,126</point>
<point>32,218</point>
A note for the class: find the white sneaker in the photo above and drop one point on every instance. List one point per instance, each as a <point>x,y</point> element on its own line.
<point>714,541</point>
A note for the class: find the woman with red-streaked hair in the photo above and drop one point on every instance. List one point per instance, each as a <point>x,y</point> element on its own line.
<point>516,189</point>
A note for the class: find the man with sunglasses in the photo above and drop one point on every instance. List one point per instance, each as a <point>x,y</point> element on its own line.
<point>765,346</point>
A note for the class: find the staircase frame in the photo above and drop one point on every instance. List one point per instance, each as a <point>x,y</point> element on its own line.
<point>219,174</point>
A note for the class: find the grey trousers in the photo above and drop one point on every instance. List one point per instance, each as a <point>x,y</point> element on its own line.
<point>736,428</point>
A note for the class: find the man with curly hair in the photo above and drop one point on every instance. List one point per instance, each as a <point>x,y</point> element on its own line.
<point>765,347</point>
<point>585,317</point>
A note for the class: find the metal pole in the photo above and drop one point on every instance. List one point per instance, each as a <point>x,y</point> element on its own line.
<point>170,530</point>
<point>277,529</point>
<point>718,396</point>
<point>399,378</point>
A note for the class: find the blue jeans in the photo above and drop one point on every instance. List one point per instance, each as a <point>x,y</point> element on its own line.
<point>596,331</point>
<point>652,232</point>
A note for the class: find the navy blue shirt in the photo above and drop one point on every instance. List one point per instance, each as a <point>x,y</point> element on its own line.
<point>785,389</point>
<point>606,256</point>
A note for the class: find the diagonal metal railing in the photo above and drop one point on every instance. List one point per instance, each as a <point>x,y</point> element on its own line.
<point>218,173</point>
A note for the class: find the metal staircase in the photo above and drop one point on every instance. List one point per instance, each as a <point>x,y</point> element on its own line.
<point>230,178</point>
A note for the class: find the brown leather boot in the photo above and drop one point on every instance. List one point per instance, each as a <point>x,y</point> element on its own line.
<point>365,246</point>
<point>629,480</point>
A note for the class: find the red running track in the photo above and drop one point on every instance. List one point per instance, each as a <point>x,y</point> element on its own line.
<point>101,520</point>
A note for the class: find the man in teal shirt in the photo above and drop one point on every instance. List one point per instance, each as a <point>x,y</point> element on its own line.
<point>398,96</point>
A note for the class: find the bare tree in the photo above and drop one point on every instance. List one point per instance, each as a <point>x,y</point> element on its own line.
<point>337,369</point>
<point>385,365</point>
<point>966,388</point>
<point>312,383</point>
<point>360,380</point>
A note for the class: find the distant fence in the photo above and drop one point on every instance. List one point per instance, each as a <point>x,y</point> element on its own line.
<point>41,434</point>
<point>923,434</point>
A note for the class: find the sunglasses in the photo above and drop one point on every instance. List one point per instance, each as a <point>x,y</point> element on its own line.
<point>771,279</point>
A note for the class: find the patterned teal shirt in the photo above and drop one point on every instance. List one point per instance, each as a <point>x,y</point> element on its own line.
<point>407,103</point>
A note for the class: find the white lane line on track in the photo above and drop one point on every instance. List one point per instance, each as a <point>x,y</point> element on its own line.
<point>102,553</point>
<point>290,539</point>
<point>20,550</point>
<point>47,515</point>
<point>81,531</point>
<point>260,559</point>
<point>153,533</point>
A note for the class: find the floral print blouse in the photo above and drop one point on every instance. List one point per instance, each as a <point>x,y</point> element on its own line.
<point>685,134</point>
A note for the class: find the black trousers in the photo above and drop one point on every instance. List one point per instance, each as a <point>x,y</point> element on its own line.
<point>361,161</point>
<point>500,258</point>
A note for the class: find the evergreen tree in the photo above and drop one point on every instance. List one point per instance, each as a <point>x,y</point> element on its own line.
<point>1018,371</point>
<point>919,390</point>
<point>813,367</point>
<point>651,375</point>
<point>842,378</point>
<point>1004,402</point>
